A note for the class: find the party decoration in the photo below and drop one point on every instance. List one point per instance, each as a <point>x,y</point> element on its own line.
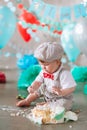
<point>7,25</point>
<point>80,10</point>
<point>26,78</point>
<point>40,13</point>
<point>85,89</point>
<point>10,5</point>
<point>20,6</point>
<point>81,60</point>
<point>80,35</point>
<point>56,16</point>
<point>65,13</point>
<point>27,17</point>
<point>79,73</point>
<point>26,61</point>
<point>23,31</point>
<point>61,12</point>
<point>2,77</point>
<point>68,43</point>
<point>58,32</point>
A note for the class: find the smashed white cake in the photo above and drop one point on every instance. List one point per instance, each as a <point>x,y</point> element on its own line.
<point>49,114</point>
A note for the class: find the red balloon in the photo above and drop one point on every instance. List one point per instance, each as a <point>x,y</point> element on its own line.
<point>58,32</point>
<point>2,77</point>
<point>29,17</point>
<point>20,6</point>
<point>23,31</point>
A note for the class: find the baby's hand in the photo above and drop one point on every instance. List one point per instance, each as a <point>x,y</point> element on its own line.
<point>56,90</point>
<point>30,89</point>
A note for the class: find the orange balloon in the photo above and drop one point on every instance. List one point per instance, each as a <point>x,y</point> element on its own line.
<point>23,31</point>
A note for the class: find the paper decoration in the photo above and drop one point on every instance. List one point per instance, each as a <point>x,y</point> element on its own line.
<point>65,13</point>
<point>49,11</point>
<point>80,35</point>
<point>39,7</point>
<point>80,10</point>
<point>36,5</point>
<point>69,44</point>
<point>51,15</point>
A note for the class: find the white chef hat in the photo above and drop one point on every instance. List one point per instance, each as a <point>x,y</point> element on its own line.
<point>49,51</point>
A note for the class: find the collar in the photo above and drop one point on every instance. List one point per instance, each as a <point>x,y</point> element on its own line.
<point>55,74</point>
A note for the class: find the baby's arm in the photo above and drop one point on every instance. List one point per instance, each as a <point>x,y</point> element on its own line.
<point>35,85</point>
<point>67,91</point>
<point>63,92</point>
<point>67,83</point>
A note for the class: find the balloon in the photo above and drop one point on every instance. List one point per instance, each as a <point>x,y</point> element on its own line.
<point>80,35</point>
<point>28,18</point>
<point>79,73</point>
<point>58,32</point>
<point>23,31</point>
<point>85,89</point>
<point>7,25</point>
<point>68,43</point>
<point>20,6</point>
<point>26,61</point>
<point>2,77</point>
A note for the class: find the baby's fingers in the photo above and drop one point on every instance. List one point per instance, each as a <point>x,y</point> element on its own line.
<point>54,91</point>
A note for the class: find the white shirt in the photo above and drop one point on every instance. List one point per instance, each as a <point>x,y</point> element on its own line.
<point>62,78</point>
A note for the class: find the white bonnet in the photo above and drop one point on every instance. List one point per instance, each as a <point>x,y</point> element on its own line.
<point>49,51</point>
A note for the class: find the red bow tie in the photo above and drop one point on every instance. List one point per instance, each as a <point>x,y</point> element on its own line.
<point>47,75</point>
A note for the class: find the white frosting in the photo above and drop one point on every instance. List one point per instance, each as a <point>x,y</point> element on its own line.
<point>55,114</point>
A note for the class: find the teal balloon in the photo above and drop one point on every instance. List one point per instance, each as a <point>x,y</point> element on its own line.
<point>80,34</point>
<point>7,25</point>
<point>68,43</point>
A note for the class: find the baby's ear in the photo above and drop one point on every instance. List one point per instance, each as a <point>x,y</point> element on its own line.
<point>58,61</point>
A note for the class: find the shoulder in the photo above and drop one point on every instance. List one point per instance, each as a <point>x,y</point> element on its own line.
<point>64,72</point>
<point>39,78</point>
<point>66,75</point>
<point>67,79</point>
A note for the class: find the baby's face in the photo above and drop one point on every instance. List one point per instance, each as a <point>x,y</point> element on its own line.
<point>50,67</point>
